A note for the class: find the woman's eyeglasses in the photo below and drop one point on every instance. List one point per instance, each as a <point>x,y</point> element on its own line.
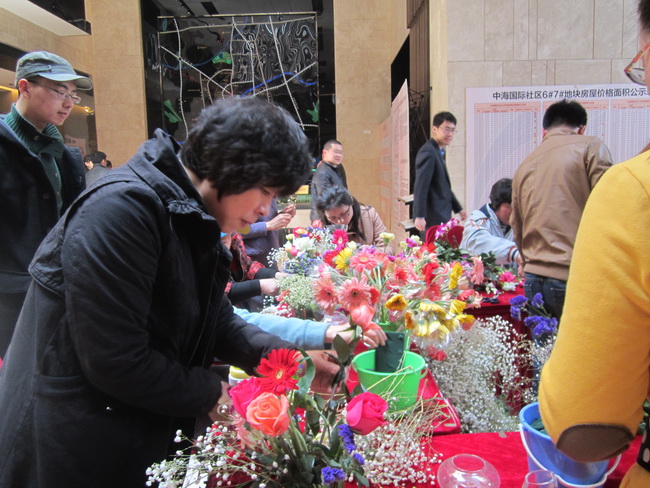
<point>341,218</point>
<point>637,74</point>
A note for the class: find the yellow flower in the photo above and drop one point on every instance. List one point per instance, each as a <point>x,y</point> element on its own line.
<point>454,276</point>
<point>443,331</point>
<point>432,307</point>
<point>409,321</point>
<point>465,319</point>
<point>343,258</point>
<point>457,306</point>
<point>396,302</point>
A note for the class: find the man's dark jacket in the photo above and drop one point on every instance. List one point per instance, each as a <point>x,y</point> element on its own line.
<point>28,211</point>
<point>28,205</point>
<point>124,315</point>
<point>98,171</point>
<point>325,177</point>
<point>432,195</point>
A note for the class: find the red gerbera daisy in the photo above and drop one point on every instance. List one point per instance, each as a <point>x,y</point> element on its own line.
<point>339,239</point>
<point>364,261</point>
<point>278,370</point>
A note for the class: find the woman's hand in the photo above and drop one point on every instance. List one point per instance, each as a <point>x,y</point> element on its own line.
<point>371,338</point>
<point>269,286</point>
<point>222,406</point>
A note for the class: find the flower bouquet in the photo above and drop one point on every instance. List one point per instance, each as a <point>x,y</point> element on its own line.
<point>480,272</point>
<point>278,434</point>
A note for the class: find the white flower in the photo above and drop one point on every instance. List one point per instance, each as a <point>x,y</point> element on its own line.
<point>509,286</point>
<point>303,243</point>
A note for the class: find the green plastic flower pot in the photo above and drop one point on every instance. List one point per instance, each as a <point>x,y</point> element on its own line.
<point>399,389</point>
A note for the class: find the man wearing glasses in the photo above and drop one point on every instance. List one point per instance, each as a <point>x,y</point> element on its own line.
<point>39,175</point>
<point>549,192</point>
<point>433,199</point>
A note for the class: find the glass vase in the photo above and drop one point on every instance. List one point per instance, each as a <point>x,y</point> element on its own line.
<point>467,471</point>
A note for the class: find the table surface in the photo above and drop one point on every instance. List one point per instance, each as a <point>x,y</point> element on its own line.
<point>506,453</point>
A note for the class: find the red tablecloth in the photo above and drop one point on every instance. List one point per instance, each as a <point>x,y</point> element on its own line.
<point>506,453</point>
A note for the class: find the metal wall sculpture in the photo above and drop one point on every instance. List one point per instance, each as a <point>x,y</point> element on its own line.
<point>202,59</point>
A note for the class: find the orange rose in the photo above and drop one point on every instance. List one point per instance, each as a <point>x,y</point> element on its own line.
<point>268,414</point>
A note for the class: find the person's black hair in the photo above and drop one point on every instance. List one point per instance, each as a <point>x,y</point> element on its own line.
<point>501,192</point>
<point>565,112</point>
<point>244,143</point>
<point>334,197</point>
<point>330,143</point>
<point>97,157</point>
<point>644,14</point>
<point>441,117</point>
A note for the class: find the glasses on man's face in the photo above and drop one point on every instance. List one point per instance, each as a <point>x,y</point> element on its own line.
<point>449,130</point>
<point>62,95</point>
<point>341,218</point>
<point>637,74</point>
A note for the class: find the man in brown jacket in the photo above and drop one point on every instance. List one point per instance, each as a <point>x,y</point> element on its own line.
<point>549,192</point>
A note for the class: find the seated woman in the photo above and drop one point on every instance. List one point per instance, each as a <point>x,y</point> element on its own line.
<point>335,205</point>
<point>248,278</point>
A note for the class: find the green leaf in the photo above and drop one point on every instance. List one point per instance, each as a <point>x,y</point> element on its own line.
<point>342,349</point>
<point>309,371</point>
<point>363,481</point>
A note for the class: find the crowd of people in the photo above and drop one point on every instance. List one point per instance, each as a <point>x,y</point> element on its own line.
<point>116,285</point>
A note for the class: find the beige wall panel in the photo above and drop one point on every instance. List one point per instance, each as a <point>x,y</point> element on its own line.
<point>630,29</point>
<point>120,116</point>
<point>550,73</point>
<point>521,28</point>
<point>588,71</point>
<point>21,34</point>
<point>517,73</point>
<point>565,29</point>
<point>499,30</point>
<point>539,72</point>
<point>438,56</point>
<point>608,29</point>
<point>368,35</point>
<point>532,29</point>
<point>466,27</point>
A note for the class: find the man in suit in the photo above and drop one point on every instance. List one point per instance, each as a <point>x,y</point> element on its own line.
<point>433,200</point>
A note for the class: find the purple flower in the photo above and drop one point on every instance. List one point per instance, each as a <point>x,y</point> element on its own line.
<point>345,432</point>
<point>538,301</point>
<point>518,301</point>
<point>545,326</point>
<point>358,458</point>
<point>532,321</point>
<point>330,475</point>
<point>515,312</point>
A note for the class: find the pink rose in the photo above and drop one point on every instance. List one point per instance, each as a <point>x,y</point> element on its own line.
<point>365,412</point>
<point>243,393</point>
<point>268,414</point>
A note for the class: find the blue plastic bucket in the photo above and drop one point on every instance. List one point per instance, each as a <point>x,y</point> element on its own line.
<point>542,454</point>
